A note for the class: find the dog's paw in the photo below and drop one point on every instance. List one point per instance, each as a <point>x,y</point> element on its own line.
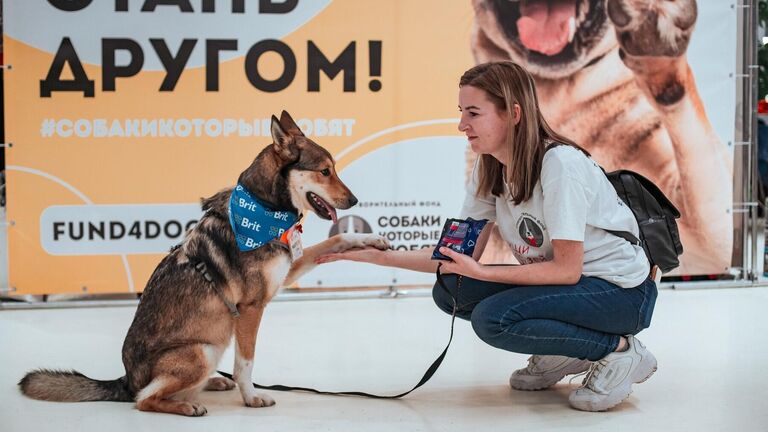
<point>259,401</point>
<point>219,384</point>
<point>356,241</point>
<point>377,241</point>
<point>193,409</point>
<point>652,28</point>
<point>653,36</point>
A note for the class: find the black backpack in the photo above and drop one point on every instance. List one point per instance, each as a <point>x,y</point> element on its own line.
<point>655,216</point>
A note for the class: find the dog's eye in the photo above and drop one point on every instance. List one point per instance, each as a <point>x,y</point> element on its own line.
<point>326,172</point>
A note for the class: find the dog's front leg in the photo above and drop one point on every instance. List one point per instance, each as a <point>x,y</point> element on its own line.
<point>337,243</point>
<point>653,37</point>
<point>246,330</point>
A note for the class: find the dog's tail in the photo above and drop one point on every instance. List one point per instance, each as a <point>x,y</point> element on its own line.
<point>72,386</point>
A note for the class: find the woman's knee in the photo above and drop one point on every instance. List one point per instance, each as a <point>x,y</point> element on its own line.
<point>443,299</point>
<point>492,321</point>
<point>486,321</point>
<point>500,332</point>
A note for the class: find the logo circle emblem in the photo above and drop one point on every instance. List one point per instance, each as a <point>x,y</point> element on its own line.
<point>530,232</point>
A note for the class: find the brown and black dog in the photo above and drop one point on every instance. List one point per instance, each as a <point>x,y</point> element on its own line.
<point>183,323</point>
<point>613,76</point>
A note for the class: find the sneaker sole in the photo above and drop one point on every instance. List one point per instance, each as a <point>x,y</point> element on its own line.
<point>646,373</point>
<point>547,384</point>
<point>536,388</point>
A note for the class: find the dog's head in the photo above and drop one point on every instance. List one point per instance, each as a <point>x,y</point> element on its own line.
<point>305,172</point>
<point>550,38</point>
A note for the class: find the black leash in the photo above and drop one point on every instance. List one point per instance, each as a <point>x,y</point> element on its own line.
<point>427,375</point>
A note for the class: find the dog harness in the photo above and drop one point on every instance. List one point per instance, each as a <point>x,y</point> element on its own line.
<point>203,269</point>
<point>255,224</point>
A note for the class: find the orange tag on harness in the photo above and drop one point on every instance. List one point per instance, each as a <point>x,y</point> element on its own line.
<point>292,238</point>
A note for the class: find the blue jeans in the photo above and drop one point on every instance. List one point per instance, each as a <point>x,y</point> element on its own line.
<point>583,321</point>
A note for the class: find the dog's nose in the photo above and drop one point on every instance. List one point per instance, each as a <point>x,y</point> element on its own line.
<point>352,201</point>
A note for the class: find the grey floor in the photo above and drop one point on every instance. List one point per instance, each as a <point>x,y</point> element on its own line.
<point>710,345</point>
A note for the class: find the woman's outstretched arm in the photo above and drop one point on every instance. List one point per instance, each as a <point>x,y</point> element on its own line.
<point>416,260</point>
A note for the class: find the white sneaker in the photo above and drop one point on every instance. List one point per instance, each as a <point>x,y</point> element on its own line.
<point>610,380</point>
<point>545,370</point>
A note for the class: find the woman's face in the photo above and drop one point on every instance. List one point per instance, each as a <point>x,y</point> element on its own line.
<point>485,126</point>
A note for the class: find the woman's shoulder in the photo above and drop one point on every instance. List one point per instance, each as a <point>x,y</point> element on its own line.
<point>566,159</point>
<point>564,154</point>
<point>562,150</point>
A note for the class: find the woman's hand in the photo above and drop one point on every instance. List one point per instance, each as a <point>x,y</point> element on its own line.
<point>368,255</point>
<point>461,264</point>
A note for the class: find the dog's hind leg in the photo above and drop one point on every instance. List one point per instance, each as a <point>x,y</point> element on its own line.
<point>246,329</point>
<point>178,373</point>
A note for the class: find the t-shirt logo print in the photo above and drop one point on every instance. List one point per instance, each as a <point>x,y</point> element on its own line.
<point>530,232</point>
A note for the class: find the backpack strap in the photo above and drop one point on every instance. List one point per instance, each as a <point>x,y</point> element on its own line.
<point>628,236</point>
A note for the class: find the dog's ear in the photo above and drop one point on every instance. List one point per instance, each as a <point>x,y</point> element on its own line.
<point>290,126</point>
<point>284,142</point>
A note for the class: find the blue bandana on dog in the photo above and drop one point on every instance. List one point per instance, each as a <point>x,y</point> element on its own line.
<point>254,223</point>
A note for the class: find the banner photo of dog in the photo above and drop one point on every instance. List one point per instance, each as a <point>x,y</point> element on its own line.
<point>642,85</point>
<point>124,115</point>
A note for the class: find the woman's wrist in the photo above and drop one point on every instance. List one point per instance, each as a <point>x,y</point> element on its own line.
<point>380,257</point>
<point>484,273</point>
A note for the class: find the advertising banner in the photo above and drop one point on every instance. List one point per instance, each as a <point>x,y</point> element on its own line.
<point>123,114</point>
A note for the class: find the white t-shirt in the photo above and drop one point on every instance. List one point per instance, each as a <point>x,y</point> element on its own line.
<point>573,200</point>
